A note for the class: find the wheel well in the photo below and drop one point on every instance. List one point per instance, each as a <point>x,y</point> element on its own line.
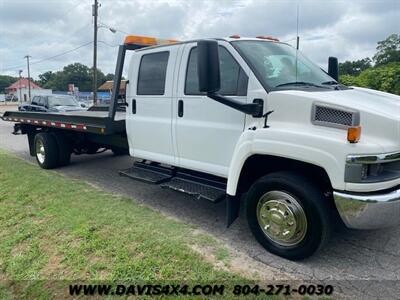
<point>257,166</point>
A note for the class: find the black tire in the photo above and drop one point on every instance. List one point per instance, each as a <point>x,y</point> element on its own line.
<point>49,160</point>
<point>64,149</point>
<point>92,149</point>
<point>315,208</point>
<point>119,151</point>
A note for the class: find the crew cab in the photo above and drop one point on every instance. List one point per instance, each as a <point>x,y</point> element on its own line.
<point>249,121</point>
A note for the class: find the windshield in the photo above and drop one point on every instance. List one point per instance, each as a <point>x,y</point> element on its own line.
<point>275,64</point>
<point>62,101</point>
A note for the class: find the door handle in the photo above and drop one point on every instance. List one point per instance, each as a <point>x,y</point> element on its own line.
<point>133,106</point>
<point>180,108</point>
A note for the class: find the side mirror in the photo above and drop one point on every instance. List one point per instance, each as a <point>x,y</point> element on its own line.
<point>208,66</point>
<point>333,68</point>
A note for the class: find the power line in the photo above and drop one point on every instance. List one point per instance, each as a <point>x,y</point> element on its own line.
<point>105,43</point>
<point>48,58</point>
<point>61,54</point>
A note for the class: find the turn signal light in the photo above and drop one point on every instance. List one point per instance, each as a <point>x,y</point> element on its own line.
<point>354,134</point>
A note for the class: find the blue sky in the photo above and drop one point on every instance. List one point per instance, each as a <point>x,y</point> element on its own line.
<point>45,28</point>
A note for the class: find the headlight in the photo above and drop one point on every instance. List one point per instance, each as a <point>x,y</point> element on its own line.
<point>372,168</point>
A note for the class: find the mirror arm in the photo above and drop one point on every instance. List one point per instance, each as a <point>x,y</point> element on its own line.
<point>255,109</point>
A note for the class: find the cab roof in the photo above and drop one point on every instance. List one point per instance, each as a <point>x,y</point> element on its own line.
<point>146,42</point>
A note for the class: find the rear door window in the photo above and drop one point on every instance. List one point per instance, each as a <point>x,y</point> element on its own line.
<point>152,73</point>
<point>41,101</point>
<point>35,100</point>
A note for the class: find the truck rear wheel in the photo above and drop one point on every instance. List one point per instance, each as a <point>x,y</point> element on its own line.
<point>288,215</point>
<point>119,151</point>
<point>46,150</point>
<point>64,149</point>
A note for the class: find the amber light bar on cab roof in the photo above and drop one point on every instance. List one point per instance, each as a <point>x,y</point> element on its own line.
<point>263,37</point>
<point>146,41</point>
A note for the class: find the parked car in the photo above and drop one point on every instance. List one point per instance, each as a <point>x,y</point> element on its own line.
<point>11,98</point>
<point>53,103</point>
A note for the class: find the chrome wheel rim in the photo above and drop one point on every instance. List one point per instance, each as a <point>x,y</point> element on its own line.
<point>281,218</point>
<point>40,153</point>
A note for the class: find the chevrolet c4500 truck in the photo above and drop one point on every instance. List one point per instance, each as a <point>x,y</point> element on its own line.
<point>250,121</point>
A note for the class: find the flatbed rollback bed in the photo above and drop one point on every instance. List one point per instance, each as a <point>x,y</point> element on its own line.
<point>79,132</point>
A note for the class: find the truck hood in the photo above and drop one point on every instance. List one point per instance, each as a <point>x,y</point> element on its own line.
<point>384,104</point>
<point>379,111</point>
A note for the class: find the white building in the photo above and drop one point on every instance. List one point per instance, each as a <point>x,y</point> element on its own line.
<point>20,89</point>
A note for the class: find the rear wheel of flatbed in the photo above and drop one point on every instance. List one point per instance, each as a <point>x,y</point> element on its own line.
<point>119,151</point>
<point>64,149</point>
<point>46,150</point>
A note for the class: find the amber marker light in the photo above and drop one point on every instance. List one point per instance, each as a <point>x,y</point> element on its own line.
<point>267,37</point>
<point>354,134</point>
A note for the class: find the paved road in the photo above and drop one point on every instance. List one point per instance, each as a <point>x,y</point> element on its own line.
<point>350,256</point>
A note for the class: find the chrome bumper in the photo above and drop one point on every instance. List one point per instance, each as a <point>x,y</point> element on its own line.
<point>368,211</point>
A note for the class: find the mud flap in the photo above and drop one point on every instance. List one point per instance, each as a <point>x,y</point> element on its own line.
<point>232,209</point>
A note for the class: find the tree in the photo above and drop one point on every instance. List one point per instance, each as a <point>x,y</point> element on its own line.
<point>78,74</point>
<point>383,78</point>
<point>101,78</point>
<point>388,50</point>
<point>109,77</point>
<point>45,78</point>
<point>6,81</point>
<point>354,67</point>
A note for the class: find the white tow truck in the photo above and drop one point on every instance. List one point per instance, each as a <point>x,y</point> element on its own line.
<point>245,120</point>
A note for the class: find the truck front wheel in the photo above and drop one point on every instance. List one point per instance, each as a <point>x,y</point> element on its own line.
<point>46,150</point>
<point>288,215</point>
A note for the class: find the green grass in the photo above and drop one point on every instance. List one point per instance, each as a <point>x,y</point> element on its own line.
<point>55,228</point>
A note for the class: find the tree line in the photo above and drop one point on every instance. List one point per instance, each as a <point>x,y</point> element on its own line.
<point>382,72</point>
<point>78,74</point>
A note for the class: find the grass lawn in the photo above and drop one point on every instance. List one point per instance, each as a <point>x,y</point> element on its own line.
<point>55,228</point>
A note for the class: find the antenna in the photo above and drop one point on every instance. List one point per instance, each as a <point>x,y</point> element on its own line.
<point>297,29</point>
<point>297,37</point>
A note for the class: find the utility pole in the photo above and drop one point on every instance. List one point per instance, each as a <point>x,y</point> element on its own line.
<point>29,77</point>
<point>20,91</point>
<point>95,8</point>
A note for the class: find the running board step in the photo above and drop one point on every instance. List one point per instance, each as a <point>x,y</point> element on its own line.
<point>197,184</point>
<point>149,173</point>
<point>198,190</point>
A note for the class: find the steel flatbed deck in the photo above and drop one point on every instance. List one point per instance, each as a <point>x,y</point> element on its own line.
<point>102,121</point>
<point>85,121</point>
